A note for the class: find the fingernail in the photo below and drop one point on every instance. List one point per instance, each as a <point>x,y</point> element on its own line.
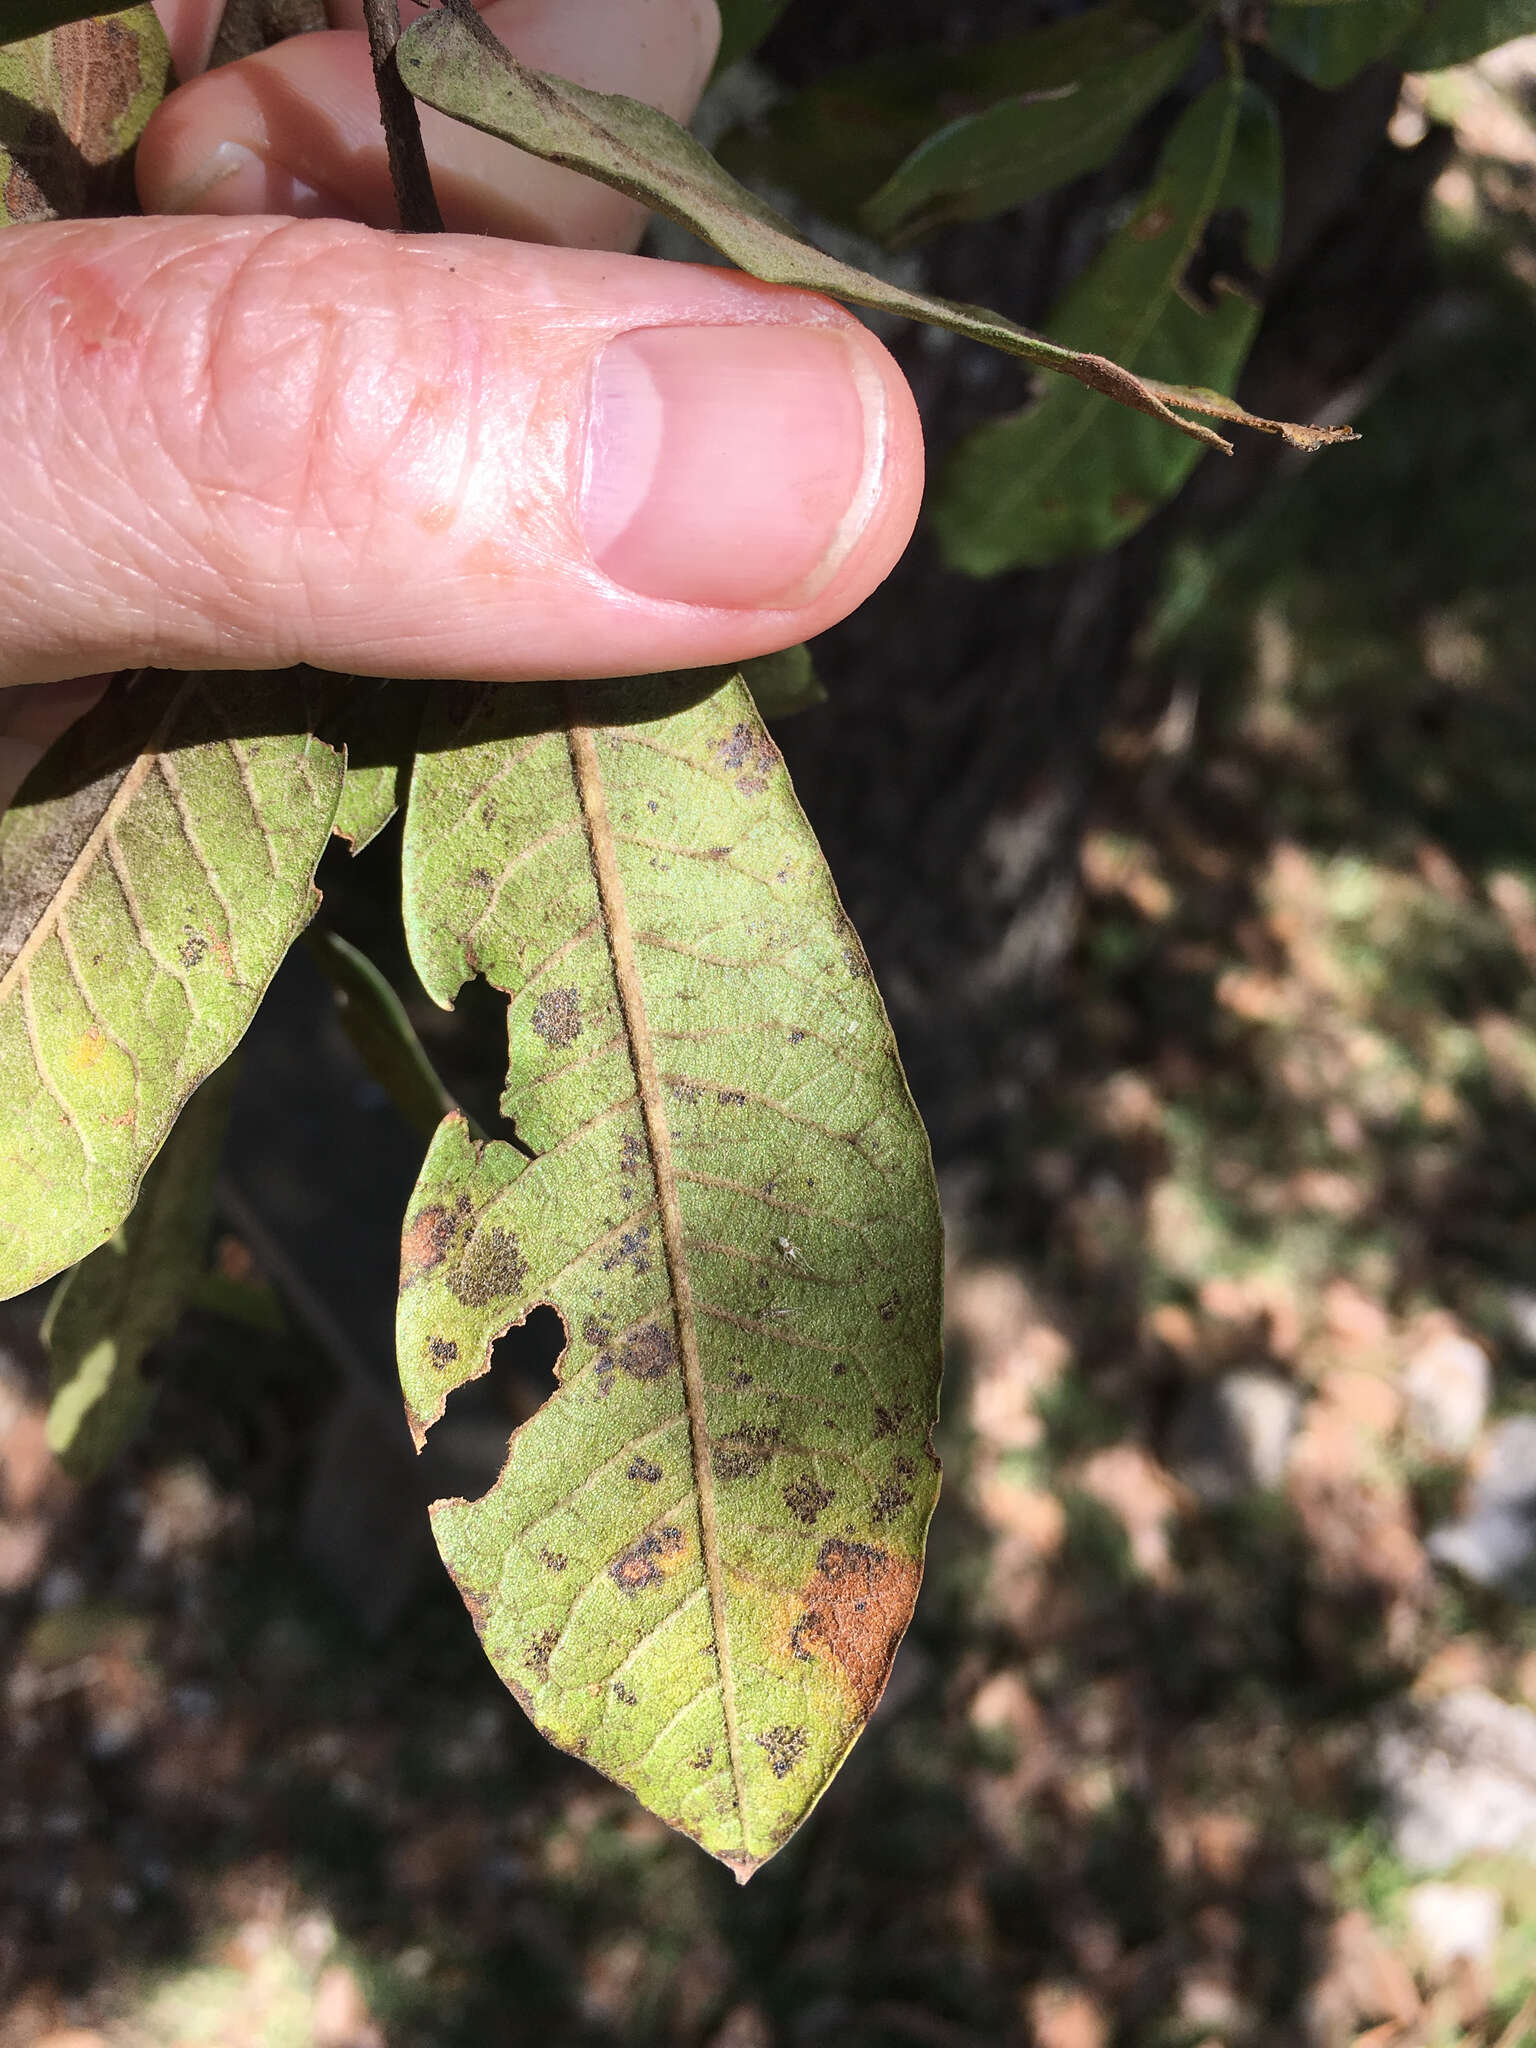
<point>233,179</point>
<point>731,466</point>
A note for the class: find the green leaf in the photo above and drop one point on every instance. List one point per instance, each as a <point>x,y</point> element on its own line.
<point>1071,474</point>
<point>837,141</point>
<point>107,1313</point>
<point>154,869</point>
<point>743,25</point>
<point>374,1018</point>
<point>72,105</point>
<point>1329,44</point>
<point>783,684</point>
<point>23,19</point>
<point>1456,31</point>
<point>702,1551</point>
<point>451,60</point>
<point>1041,137</point>
<point>382,722</point>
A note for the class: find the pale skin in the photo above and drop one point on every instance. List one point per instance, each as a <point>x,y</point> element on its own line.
<point>257,428</point>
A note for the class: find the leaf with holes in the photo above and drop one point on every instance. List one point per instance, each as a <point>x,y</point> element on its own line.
<point>702,1551</point>
<point>154,869</point>
<point>107,1312</point>
<point>72,104</point>
<point>1071,473</point>
<point>452,61</point>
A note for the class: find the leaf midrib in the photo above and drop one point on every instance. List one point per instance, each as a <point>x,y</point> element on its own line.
<point>592,795</point>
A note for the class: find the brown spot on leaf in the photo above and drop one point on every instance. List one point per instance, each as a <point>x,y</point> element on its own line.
<point>702,1758</point>
<point>557,1016</point>
<point>684,1091</point>
<point>784,1746</point>
<point>650,1354</point>
<point>730,1098</point>
<point>539,1652</point>
<point>481,878</point>
<point>744,1453</point>
<point>492,1267</point>
<point>442,1351</point>
<point>1157,220</point>
<point>887,1422</point>
<point>553,1560</point>
<point>647,1562</point>
<point>622,1693</point>
<point>643,1470</point>
<point>806,1499</point>
<point>193,950</point>
<point>858,1602</point>
<point>889,1307</point>
<point>430,1236</point>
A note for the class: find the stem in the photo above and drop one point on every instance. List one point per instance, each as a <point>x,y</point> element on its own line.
<point>408,170</point>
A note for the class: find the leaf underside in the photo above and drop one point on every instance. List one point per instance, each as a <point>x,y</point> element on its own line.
<point>72,104</point>
<point>154,869</point>
<point>110,1310</point>
<point>450,60</point>
<point>702,1551</point>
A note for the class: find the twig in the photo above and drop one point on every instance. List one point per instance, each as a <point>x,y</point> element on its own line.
<point>408,170</point>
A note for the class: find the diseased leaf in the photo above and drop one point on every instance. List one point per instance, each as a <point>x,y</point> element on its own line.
<point>107,1313</point>
<point>1456,31</point>
<point>20,20</point>
<point>743,25</point>
<point>154,869</point>
<point>451,60</point>
<point>702,1551</point>
<point>1040,137</point>
<point>783,684</point>
<point>374,1018</point>
<point>1330,43</point>
<point>838,140</point>
<point>72,105</point>
<point>1072,474</point>
<point>381,724</point>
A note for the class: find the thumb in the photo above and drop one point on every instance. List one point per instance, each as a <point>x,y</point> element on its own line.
<point>247,443</point>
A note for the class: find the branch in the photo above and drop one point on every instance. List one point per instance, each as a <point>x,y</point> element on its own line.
<point>408,170</point>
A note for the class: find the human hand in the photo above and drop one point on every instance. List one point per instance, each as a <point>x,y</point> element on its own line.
<point>244,441</point>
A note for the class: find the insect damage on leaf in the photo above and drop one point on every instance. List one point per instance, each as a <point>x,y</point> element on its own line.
<point>451,60</point>
<point>702,1551</point>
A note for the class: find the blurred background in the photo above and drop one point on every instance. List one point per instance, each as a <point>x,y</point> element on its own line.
<point>1201,883</point>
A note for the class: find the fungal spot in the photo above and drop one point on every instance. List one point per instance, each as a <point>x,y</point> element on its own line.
<point>857,1605</point>
<point>481,878</point>
<point>595,1333</point>
<point>553,1560</point>
<point>540,1650</point>
<point>632,1249</point>
<point>806,1499</point>
<point>622,1693</point>
<point>631,1155</point>
<point>685,1092</point>
<point>730,1098</point>
<point>557,1017</point>
<point>783,1746</point>
<point>648,1562</point>
<point>797,1038</point>
<point>643,1470</point>
<point>888,1308</point>
<point>442,1351</point>
<point>491,1267</point>
<point>193,949</point>
<point>744,1453</point>
<point>702,1758</point>
<point>893,1496</point>
<point>887,1422</point>
<point>749,756</point>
